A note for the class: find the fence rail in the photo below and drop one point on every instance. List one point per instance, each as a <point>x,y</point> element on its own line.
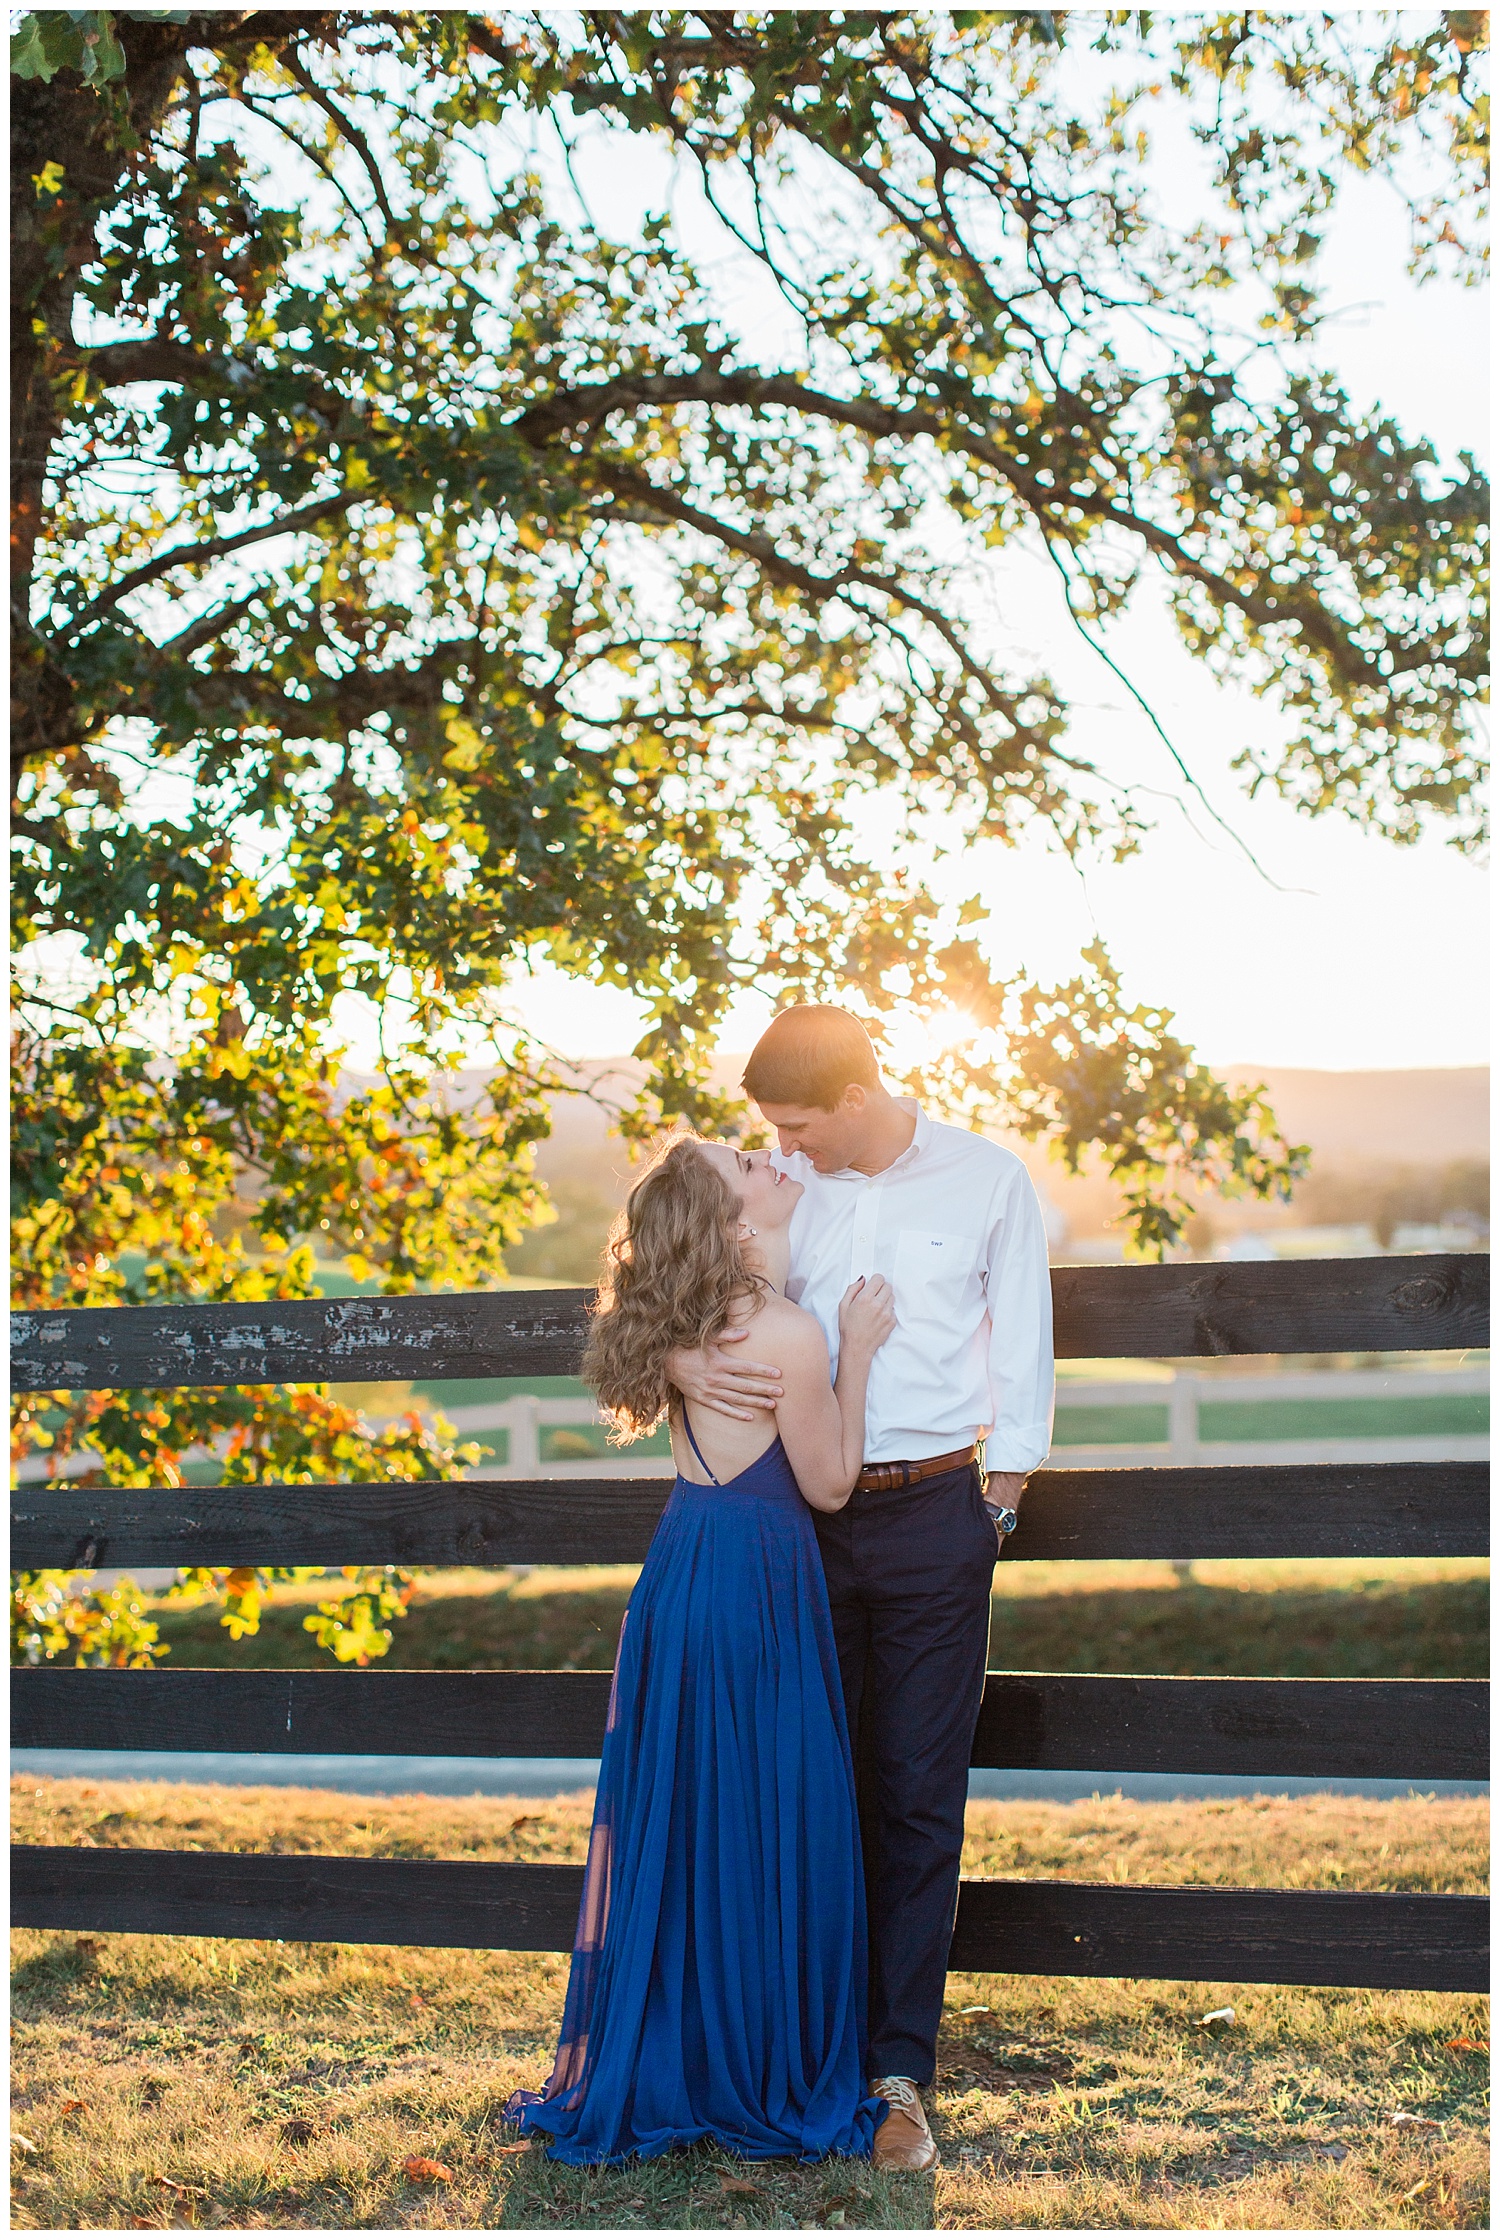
<point>1341,1729</point>
<point>1426,1303</point>
<point>1313,1509</point>
<point>1385,1941</point>
<point>1418,1730</point>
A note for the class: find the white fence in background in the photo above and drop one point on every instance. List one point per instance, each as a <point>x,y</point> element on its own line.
<point>528,1416</point>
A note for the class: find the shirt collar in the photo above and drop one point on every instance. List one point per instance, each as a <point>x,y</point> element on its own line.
<point>908,1157</point>
<point>919,1141</point>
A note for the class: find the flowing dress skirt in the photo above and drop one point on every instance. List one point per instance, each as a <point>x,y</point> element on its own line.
<point>718,1980</point>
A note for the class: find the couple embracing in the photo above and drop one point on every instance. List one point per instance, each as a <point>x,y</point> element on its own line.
<point>773,1867</point>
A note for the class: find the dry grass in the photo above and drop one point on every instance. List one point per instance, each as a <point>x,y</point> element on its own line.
<point>281,2087</point>
<point>1305,1843</point>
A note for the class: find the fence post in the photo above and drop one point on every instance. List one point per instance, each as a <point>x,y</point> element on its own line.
<point>520,1419</point>
<point>1182,1417</point>
<point>1182,1435</point>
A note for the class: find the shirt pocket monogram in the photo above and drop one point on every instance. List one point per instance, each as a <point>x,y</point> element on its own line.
<point>933,1271</point>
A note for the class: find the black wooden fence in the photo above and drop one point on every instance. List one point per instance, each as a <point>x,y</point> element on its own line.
<point>1409,1729</point>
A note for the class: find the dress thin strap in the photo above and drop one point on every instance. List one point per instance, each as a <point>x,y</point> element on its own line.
<point>692,1442</point>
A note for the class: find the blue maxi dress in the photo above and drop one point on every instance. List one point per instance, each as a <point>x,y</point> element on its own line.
<point>718,1981</point>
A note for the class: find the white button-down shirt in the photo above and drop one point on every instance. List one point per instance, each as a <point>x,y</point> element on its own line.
<point>955,1225</point>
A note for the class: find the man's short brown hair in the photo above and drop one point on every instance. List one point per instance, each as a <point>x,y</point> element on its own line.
<point>810,1055</point>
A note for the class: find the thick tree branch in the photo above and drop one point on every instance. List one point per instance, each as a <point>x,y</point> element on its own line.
<point>588,407</point>
<point>212,548</point>
<point>156,357</point>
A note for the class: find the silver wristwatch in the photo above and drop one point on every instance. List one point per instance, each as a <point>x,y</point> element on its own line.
<point>1003,1520</point>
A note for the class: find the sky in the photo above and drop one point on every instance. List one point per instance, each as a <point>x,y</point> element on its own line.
<point>1283,941</point>
<point>1340,950</point>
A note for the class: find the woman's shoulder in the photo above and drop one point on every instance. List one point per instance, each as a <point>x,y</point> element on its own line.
<point>778,1324</point>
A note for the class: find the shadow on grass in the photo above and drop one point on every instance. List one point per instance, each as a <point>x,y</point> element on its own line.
<point>701,2188</point>
<point>1436,1630</point>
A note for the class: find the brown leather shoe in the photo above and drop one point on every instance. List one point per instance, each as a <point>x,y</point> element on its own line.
<point>903,2141</point>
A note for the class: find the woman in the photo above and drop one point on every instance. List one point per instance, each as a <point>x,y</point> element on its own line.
<point>718,1978</point>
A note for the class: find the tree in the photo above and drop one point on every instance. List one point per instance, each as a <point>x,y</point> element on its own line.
<point>413,577</point>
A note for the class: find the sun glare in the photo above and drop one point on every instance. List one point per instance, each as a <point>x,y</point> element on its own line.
<point>918,1042</point>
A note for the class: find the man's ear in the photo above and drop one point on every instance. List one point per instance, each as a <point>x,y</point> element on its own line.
<point>856,1097</point>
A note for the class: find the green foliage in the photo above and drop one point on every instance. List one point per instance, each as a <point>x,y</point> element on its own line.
<point>1118,1083</point>
<point>78,39</point>
<point>417,580</point>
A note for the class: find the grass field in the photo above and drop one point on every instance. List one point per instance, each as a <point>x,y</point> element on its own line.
<point>1334,1619</point>
<point>209,2083</point>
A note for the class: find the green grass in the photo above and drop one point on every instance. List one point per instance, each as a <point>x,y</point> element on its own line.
<point>1128,1425</point>
<point>214,2083</point>
<point>1337,1619</point>
<point>1384,1416</point>
<point>1388,1416</point>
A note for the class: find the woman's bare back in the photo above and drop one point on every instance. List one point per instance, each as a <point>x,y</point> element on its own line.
<point>785,1337</point>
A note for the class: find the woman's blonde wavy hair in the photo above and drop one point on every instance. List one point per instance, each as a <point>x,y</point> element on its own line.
<point>674,1272</point>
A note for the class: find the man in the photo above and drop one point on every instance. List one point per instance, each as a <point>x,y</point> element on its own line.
<point>954,1223</point>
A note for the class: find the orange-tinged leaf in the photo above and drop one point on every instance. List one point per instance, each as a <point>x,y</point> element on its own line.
<point>422,2170</point>
<point>1467,2045</point>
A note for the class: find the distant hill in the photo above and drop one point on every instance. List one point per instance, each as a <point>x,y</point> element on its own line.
<point>1374,1135</point>
<point>1420,1118</point>
<point>1425,1116</point>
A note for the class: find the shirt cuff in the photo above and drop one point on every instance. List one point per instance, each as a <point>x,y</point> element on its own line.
<point>1017,1450</point>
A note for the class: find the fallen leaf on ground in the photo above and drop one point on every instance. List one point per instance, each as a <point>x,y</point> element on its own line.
<point>739,2185</point>
<point>1401,2121</point>
<point>973,2010</point>
<point>175,2185</point>
<point>523,2148</point>
<point>527,1820</point>
<point>1331,2153</point>
<point>417,2000</point>
<point>297,2130</point>
<point>72,2107</point>
<point>144,2224</point>
<point>19,2140</point>
<point>1467,2045</point>
<point>1416,2189</point>
<point>1216,2017</point>
<point>421,2169</point>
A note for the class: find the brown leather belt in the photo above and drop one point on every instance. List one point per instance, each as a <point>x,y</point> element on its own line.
<point>888,1477</point>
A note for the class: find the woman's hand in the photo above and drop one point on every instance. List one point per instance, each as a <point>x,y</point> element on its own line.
<point>867,1316</point>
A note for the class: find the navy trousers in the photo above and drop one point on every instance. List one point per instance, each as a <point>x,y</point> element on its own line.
<point>909,1575</point>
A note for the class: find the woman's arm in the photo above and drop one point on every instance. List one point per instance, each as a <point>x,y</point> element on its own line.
<point>822,1426</point>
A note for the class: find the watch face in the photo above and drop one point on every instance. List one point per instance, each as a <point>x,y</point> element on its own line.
<point>1006,1519</point>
